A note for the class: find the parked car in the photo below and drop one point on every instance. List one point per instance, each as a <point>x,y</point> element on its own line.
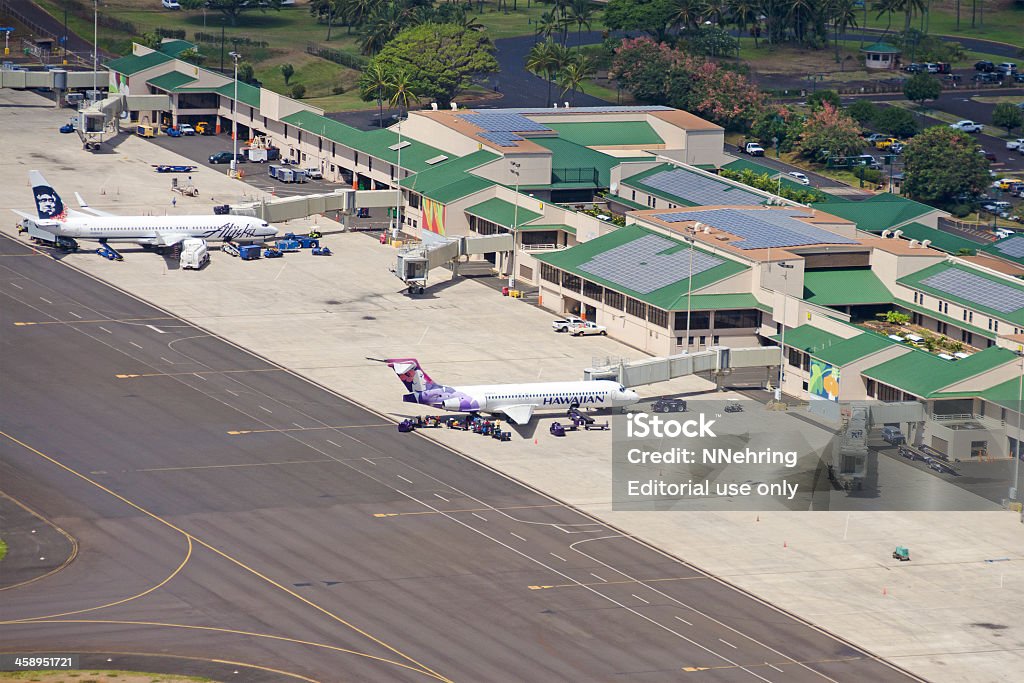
<point>914,68</point>
<point>944,68</point>
<point>566,323</point>
<point>987,154</point>
<point>669,405</point>
<point>931,67</point>
<point>893,435</point>
<point>186,129</point>
<point>313,172</point>
<point>1015,144</point>
<point>799,177</point>
<point>1007,68</point>
<point>886,143</point>
<point>588,328</point>
<point>988,77</point>
<point>225,158</point>
<point>171,4</point>
<point>1018,78</point>
<point>953,78</point>
<point>869,161</point>
<point>984,66</point>
<point>967,126</point>
<point>753,149</point>
<point>874,138</point>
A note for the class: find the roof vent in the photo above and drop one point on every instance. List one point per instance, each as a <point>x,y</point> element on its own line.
<point>925,244</point>
<point>898,234</point>
<point>433,105</point>
<point>914,244</point>
<point>886,234</point>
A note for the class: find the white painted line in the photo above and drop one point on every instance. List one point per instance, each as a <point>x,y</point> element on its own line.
<point>404,479</point>
<point>557,557</point>
<point>156,329</point>
<point>196,374</point>
<point>105,330</point>
<point>480,517</point>
<point>598,577</point>
<point>18,286</point>
<point>517,536</point>
<point>135,345</point>
<point>169,362</point>
<point>729,644</point>
<point>442,497</point>
<point>369,461</point>
<point>279,273</point>
<point>269,411</point>
<point>646,602</point>
<point>46,300</point>
<point>333,444</point>
<point>297,425</point>
<point>776,668</point>
<point>231,392</point>
<point>74,314</point>
<point>684,621</point>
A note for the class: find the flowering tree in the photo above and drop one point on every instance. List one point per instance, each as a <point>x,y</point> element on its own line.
<point>641,67</point>
<point>830,129</point>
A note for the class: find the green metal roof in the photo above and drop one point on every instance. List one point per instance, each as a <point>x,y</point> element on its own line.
<point>741,165</point>
<point>854,348</point>
<point>438,175</point>
<point>844,287</point>
<point>881,212</point>
<point>922,374</point>
<point>670,297</point>
<point>940,240</point>
<point>721,302</point>
<point>247,94</point>
<point>885,48</point>
<point>502,213</point>
<point>539,228</point>
<point>175,47</point>
<point>170,81</point>
<point>808,338</point>
<point>991,248</point>
<point>914,281</point>
<point>607,133</point>
<point>1006,394</point>
<point>376,143</point>
<point>569,155</point>
<point>637,181</point>
<point>985,334</point>
<point>133,64</point>
<point>627,203</point>
<point>469,184</point>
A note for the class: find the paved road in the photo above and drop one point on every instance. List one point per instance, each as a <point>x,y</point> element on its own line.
<point>226,509</point>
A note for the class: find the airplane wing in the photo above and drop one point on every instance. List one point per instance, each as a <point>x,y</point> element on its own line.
<point>520,415</point>
<point>169,239</point>
<point>95,212</point>
<point>27,215</point>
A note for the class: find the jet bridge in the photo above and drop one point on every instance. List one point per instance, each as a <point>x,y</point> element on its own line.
<point>414,263</point>
<point>345,201</point>
<point>715,364</point>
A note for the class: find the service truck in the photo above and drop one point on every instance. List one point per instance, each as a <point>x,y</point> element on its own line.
<point>194,254</point>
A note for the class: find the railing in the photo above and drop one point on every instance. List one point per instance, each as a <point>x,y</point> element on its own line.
<point>586,174</point>
<point>541,247</point>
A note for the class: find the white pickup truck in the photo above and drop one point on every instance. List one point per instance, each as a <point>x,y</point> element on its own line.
<point>967,126</point>
<point>585,328</point>
<point>754,149</point>
<point>566,323</point>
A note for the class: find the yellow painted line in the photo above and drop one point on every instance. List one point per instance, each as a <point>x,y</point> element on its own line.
<point>691,669</point>
<point>197,372</point>
<point>71,539</point>
<point>612,583</point>
<point>788,662</point>
<point>422,668</point>
<point>236,432</point>
<point>244,464</point>
<point>448,512</point>
<point>84,322</point>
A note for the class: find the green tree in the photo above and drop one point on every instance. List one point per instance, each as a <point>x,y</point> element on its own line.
<point>151,40</point>
<point>711,41</point>
<point>232,9</point>
<point>246,72</point>
<point>688,14</point>
<point>386,22</point>
<point>374,84</point>
<point>829,128</point>
<point>777,123</point>
<point>863,111</point>
<point>192,56</point>
<point>581,13</point>
<point>574,75</point>
<point>1007,115</point>
<point>287,70</point>
<point>641,66</point>
<point>818,99</point>
<point>920,88</point>
<point>543,60</point>
<point>744,13</point>
<point>441,60</point>
<point>298,91</point>
<point>942,163</point>
<point>843,14</point>
<point>896,121</point>
<point>653,16</point>
<point>326,11</point>
<point>887,7</point>
<point>402,93</point>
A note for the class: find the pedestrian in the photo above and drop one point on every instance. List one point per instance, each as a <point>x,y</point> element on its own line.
<point>174,201</point>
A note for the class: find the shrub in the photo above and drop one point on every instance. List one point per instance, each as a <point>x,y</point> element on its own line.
<point>960,210</point>
<point>338,90</point>
<point>298,91</point>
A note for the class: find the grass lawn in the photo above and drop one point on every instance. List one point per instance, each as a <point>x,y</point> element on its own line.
<point>3,549</point>
<point>1002,21</point>
<point>996,99</point>
<point>318,75</point>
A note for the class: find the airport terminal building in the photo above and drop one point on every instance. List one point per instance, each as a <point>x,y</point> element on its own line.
<point>621,215</point>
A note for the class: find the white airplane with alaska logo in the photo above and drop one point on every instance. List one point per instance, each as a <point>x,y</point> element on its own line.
<point>150,231</point>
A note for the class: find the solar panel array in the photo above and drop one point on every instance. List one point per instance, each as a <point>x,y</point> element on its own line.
<point>501,122</point>
<point>585,110</point>
<point>700,190</point>
<point>760,229</point>
<point>1013,247</point>
<point>502,139</point>
<point>977,289</point>
<point>641,266</point>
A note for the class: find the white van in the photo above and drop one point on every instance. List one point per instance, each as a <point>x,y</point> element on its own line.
<point>194,254</point>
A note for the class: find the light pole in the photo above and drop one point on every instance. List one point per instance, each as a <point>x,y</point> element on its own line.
<point>398,179</point>
<point>689,286</point>
<point>95,44</point>
<point>782,351</point>
<point>1014,494</point>
<point>234,120</point>
<point>514,170</point>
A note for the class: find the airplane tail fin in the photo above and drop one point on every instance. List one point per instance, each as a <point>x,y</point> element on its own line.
<point>412,375</point>
<point>48,202</point>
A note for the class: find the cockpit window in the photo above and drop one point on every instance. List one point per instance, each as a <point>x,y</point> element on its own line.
<point>622,388</point>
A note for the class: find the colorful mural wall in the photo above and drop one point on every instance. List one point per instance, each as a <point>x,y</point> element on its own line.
<point>824,382</point>
<point>433,216</point>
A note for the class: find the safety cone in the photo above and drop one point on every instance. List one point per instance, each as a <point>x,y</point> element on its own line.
<point>884,591</point>
<point>785,545</point>
<point>535,442</point>
<point>758,518</point>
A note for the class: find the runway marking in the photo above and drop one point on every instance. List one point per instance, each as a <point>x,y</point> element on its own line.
<point>485,509</point>
<point>646,602</point>
<point>606,582</point>
<point>298,425</point>
<point>237,432</point>
<point>479,516</point>
<point>684,621</point>
<point>745,667</point>
<point>46,300</point>
<point>518,536</point>
<point>169,362</point>
<point>262,408</point>
<point>369,461</point>
<point>71,539</point>
<point>198,376</point>
<point>235,632</point>
<point>198,372</point>
<point>776,668</point>
<point>255,572</point>
<point>729,644</point>
<point>231,392</point>
<point>18,286</point>
<point>558,557</point>
<point>82,322</point>
<point>242,464</point>
<point>332,443</point>
<point>74,314</point>
<point>691,669</point>
<point>156,329</point>
<point>442,497</point>
<point>135,345</point>
<point>106,330</point>
<point>403,478</point>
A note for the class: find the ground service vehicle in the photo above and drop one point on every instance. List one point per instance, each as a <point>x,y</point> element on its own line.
<point>186,129</point>
<point>588,328</point>
<point>145,130</point>
<point>886,143</point>
<point>249,252</point>
<point>204,128</point>
<point>753,149</point>
<point>194,254</point>
<point>565,324</point>
<point>262,155</point>
<point>1015,144</point>
<point>893,435</point>
<point>229,248</point>
<point>669,405</point>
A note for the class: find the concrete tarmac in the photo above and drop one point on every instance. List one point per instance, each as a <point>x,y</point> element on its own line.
<point>228,510</point>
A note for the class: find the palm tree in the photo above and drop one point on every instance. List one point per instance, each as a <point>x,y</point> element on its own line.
<point>801,14</point>
<point>376,82</point>
<point>744,13</point>
<point>909,7</point>
<point>383,25</point>
<point>581,12</point>
<point>548,24</point>
<point>844,16</point>
<point>687,13</point>
<point>575,74</point>
<point>401,92</point>
<point>356,12</point>
<point>714,10</point>
<point>543,60</point>
<point>468,22</point>
<point>886,7</point>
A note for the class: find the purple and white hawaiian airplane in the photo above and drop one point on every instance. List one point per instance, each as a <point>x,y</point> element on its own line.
<point>516,401</point>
